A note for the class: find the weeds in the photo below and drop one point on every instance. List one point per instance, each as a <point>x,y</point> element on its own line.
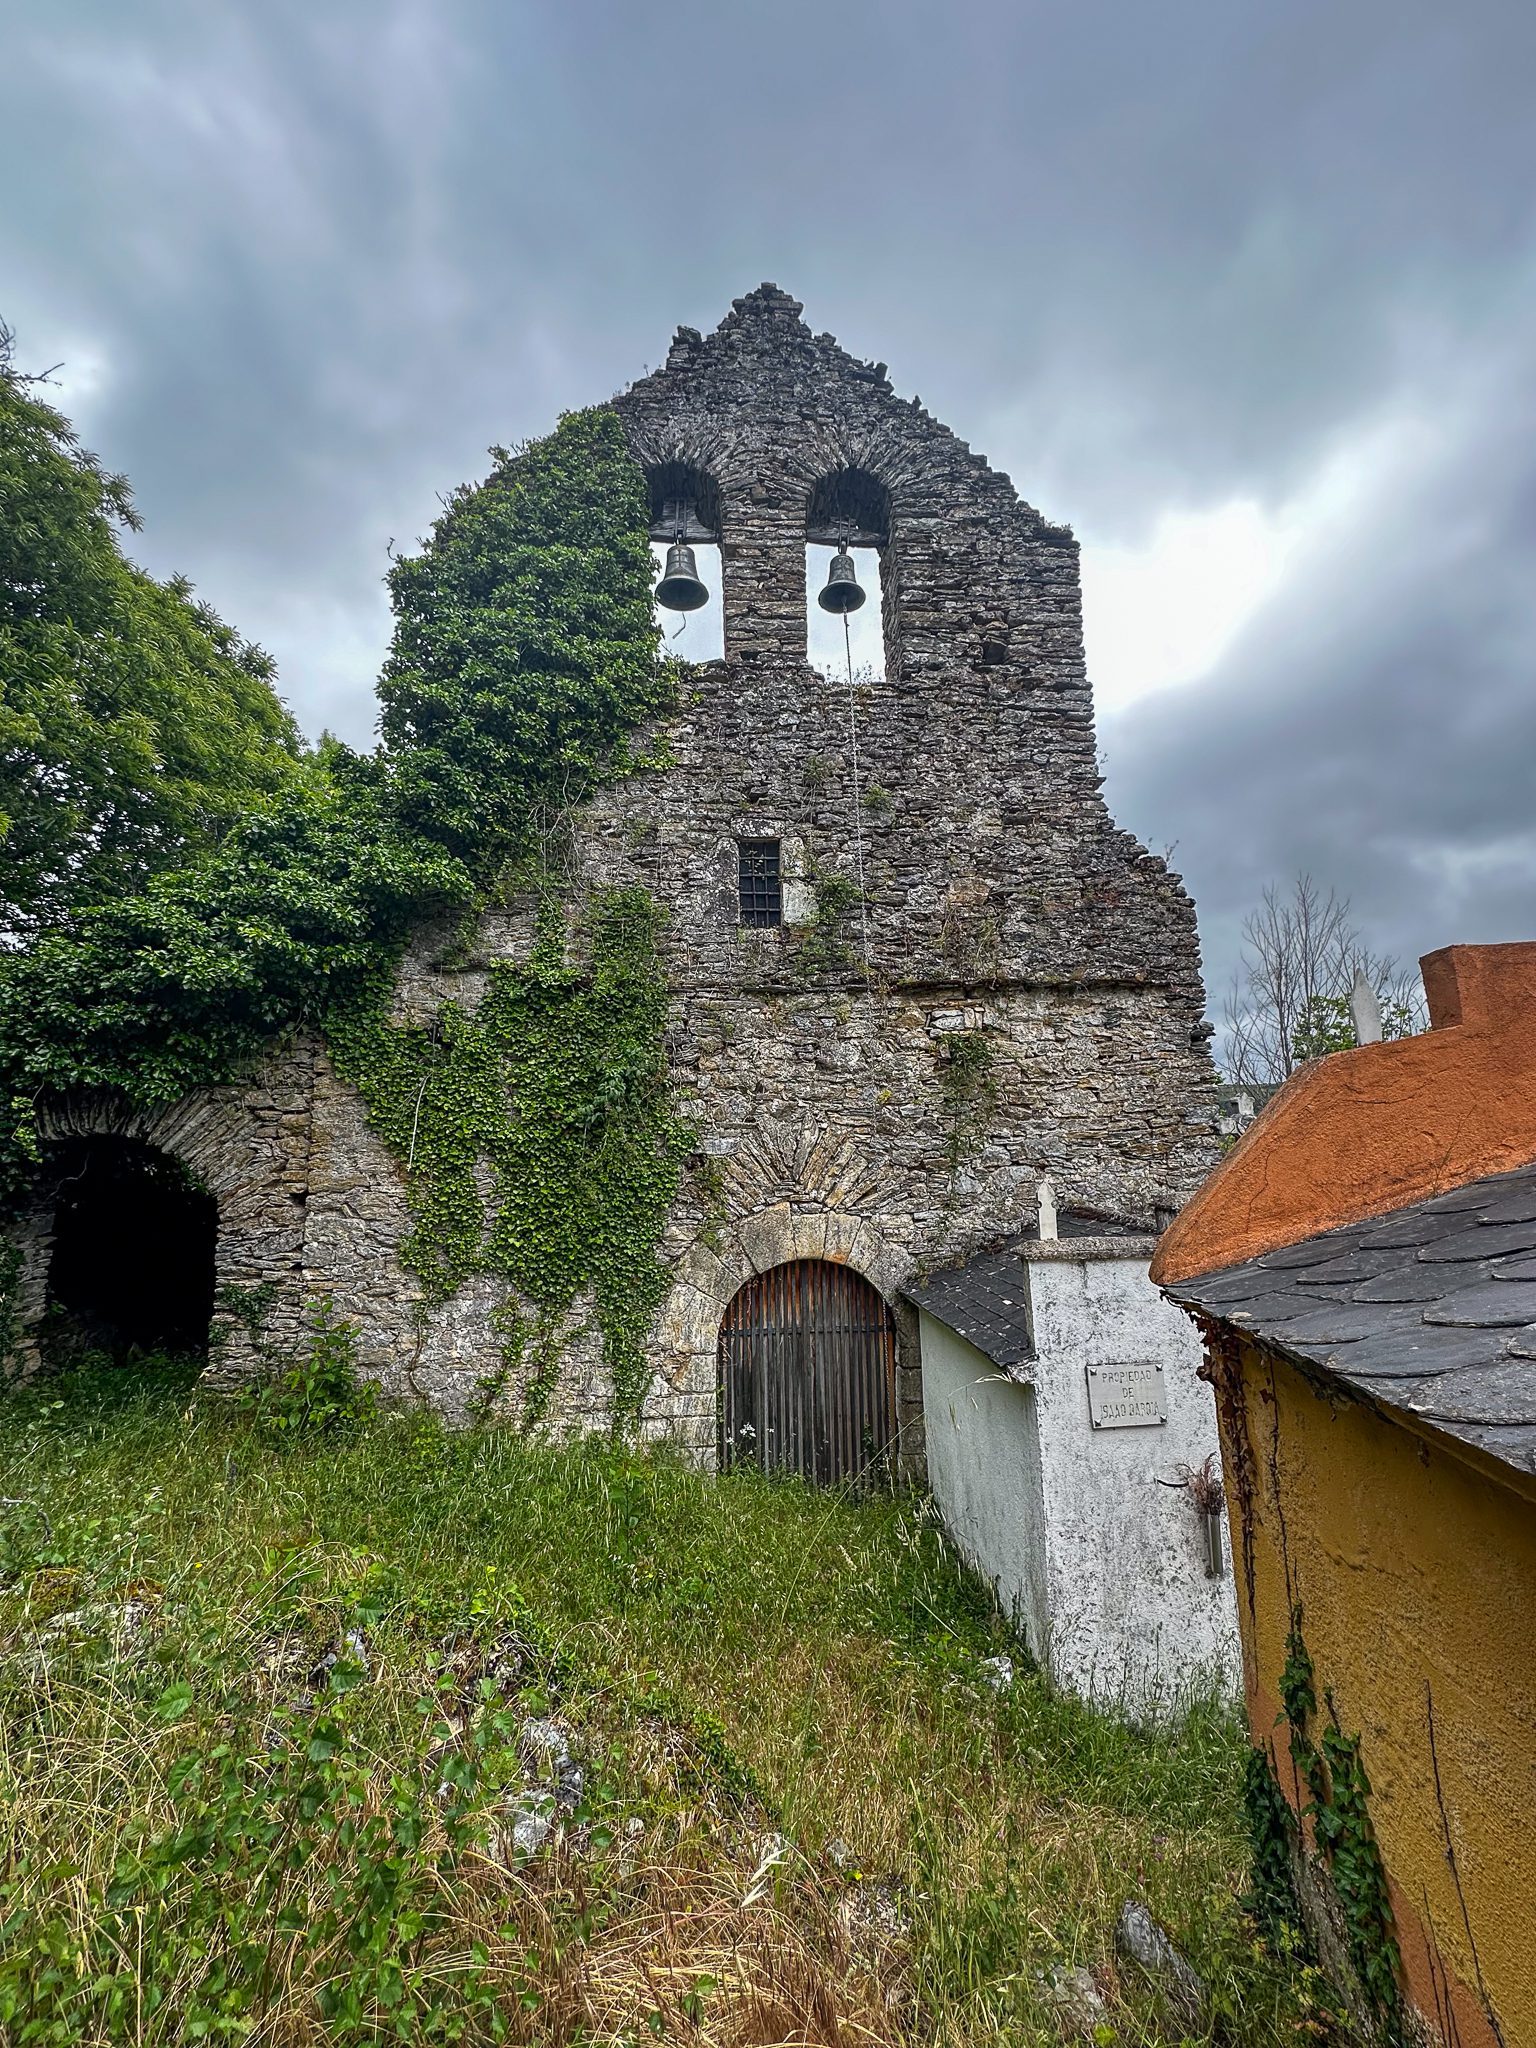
<point>320,1393</point>
<point>397,1735</point>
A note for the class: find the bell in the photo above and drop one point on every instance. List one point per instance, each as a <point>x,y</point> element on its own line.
<point>680,589</point>
<point>842,593</point>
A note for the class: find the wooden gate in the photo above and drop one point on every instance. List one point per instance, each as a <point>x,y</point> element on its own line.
<point>808,1374</point>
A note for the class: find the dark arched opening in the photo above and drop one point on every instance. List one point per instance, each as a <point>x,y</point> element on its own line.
<point>684,500</point>
<point>849,508</point>
<point>807,1359</point>
<point>132,1270</point>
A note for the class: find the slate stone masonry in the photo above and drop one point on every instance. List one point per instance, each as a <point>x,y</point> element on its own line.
<point>998,899</point>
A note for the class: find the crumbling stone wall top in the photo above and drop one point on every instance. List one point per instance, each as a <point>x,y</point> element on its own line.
<point>991,856</point>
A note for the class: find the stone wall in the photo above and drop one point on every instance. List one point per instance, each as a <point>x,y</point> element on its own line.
<point>249,1146</point>
<point>997,899</point>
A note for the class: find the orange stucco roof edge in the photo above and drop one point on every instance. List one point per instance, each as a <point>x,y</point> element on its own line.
<point>1364,1132</point>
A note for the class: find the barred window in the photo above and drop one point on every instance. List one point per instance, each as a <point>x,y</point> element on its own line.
<point>762,898</point>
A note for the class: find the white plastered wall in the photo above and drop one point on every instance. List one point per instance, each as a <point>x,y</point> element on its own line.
<point>984,1473</point>
<point>1102,1565</point>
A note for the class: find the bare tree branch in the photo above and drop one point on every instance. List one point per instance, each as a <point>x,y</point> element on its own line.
<point>1289,998</point>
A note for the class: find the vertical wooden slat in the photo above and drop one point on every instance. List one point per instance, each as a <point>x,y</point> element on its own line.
<point>807,1369</point>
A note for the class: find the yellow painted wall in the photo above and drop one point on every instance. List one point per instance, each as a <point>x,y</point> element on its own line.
<point>1415,1565</point>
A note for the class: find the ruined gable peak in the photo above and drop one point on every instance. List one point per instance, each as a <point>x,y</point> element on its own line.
<point>768,302</point>
<point>767,324</point>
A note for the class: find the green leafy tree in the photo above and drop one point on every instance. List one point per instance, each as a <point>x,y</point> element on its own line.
<point>178,986</point>
<point>135,727</point>
<point>525,641</point>
<point>1327,1022</point>
<point>525,654</point>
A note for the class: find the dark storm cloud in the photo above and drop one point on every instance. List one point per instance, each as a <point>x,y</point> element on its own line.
<point>1147,258</point>
<point>1376,722</point>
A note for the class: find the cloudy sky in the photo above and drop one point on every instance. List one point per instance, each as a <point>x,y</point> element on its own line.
<point>1244,290</point>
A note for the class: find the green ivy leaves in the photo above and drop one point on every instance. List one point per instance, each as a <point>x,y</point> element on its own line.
<point>524,660</point>
<point>559,1084</point>
<point>1339,1811</point>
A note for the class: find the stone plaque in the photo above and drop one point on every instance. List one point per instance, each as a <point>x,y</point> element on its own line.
<point>1126,1396</point>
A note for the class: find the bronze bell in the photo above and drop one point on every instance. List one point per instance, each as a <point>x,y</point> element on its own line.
<point>680,589</point>
<point>842,592</point>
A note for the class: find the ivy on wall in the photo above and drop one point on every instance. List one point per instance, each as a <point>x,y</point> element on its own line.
<point>1336,1794</point>
<point>524,654</point>
<point>558,1083</point>
<point>1271,1896</point>
<point>1338,1808</point>
<point>524,659</point>
<point>968,1089</point>
<point>824,941</point>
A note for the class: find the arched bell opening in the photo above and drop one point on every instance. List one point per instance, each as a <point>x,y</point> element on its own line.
<point>847,531</point>
<point>685,542</point>
<point>807,1375</point>
<point>131,1271</point>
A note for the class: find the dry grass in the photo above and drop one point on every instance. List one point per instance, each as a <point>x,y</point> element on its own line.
<point>803,1814</point>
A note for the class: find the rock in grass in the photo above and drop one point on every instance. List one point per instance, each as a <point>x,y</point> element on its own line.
<point>1138,1937</point>
<point>874,1906</point>
<point>1074,1996</point>
<point>998,1672</point>
<point>546,1751</point>
<point>527,1821</point>
<point>121,1623</point>
<point>553,1782</point>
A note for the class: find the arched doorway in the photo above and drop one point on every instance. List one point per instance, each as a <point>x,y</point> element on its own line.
<point>807,1359</point>
<point>132,1266</point>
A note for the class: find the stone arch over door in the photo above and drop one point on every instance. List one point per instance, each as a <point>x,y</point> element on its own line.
<point>247,1149</point>
<point>683,1402</point>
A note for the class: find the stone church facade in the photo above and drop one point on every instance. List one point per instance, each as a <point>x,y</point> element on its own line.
<point>983,893</point>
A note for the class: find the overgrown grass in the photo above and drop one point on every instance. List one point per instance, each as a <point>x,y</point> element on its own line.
<point>432,1738</point>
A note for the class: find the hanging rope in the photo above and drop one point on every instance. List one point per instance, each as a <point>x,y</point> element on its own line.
<point>858,806</point>
<point>682,629</point>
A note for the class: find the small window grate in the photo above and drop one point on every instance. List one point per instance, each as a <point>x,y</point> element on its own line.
<point>762,896</point>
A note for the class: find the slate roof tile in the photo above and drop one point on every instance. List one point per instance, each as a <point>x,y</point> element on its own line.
<point>986,1301</point>
<point>1508,1389</point>
<point>1483,1241</point>
<point>1403,1351</point>
<point>1350,1266</point>
<point>1313,1251</point>
<point>1404,1283</point>
<point>1488,1307</point>
<point>1405,1228</point>
<point>1431,1310</point>
<point>1278,1306</point>
<point>1515,1446</point>
<point>1342,1322</point>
